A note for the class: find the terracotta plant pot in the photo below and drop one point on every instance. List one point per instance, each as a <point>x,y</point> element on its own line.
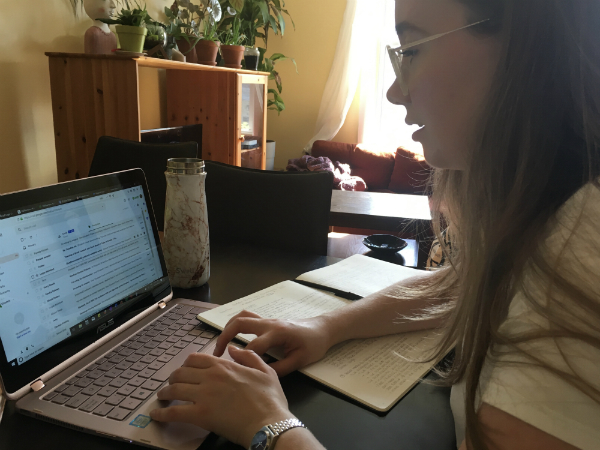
<point>233,54</point>
<point>131,38</point>
<point>207,52</point>
<point>184,47</point>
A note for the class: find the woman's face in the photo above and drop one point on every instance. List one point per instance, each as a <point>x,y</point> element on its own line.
<point>448,78</point>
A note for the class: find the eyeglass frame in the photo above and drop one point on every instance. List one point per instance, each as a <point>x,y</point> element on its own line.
<point>397,54</point>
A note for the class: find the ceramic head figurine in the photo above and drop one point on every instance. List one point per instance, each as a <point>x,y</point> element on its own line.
<point>98,38</point>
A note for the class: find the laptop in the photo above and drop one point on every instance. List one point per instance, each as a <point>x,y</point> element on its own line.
<point>89,331</point>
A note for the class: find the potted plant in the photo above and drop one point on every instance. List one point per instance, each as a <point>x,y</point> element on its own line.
<point>231,40</point>
<point>182,27</point>
<point>130,27</point>
<point>208,45</point>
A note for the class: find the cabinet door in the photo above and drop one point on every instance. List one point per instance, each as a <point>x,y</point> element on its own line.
<point>252,120</point>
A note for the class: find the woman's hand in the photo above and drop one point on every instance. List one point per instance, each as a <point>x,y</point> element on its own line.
<point>232,399</point>
<point>303,341</point>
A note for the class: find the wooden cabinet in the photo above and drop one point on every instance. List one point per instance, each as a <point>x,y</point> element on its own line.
<point>98,95</point>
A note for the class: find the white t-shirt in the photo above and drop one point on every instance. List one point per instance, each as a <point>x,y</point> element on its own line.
<point>534,394</point>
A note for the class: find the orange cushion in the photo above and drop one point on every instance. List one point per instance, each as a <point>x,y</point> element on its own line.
<point>373,167</point>
<point>335,151</point>
<point>410,174</point>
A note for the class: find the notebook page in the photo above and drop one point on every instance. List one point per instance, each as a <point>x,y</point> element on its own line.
<point>360,275</point>
<point>285,300</point>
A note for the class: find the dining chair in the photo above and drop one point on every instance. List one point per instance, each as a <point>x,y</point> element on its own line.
<point>284,210</point>
<point>113,155</point>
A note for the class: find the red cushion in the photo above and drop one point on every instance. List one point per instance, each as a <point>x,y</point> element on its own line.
<point>373,167</point>
<point>335,151</point>
<point>410,174</point>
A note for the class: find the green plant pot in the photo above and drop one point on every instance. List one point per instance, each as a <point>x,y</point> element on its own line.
<point>131,38</point>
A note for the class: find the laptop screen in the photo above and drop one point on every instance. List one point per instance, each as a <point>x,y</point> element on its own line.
<point>69,263</point>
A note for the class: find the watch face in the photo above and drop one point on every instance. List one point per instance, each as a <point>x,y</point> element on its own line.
<point>260,441</point>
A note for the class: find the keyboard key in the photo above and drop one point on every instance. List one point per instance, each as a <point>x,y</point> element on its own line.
<point>114,399</point>
<point>144,339</point>
<point>91,404</point>
<point>61,388</point>
<point>180,333</point>
<point>201,341</point>
<point>179,345</point>
<point>91,390</point>
<point>188,338</point>
<point>71,391</point>
<point>133,358</point>
<point>84,382</point>
<point>130,403</point>
<point>208,334</point>
<point>114,373</point>
<point>50,396</point>
<point>167,322</point>
<point>160,328</point>
<point>136,345</point>
<point>138,366</point>
<point>118,382</point>
<point>107,391</point>
<point>151,344</point>
<point>92,367</point>
<point>172,351</point>
<point>129,374</point>
<point>110,355</point>
<point>152,333</point>
<point>187,327</point>
<point>61,399</point>
<point>118,414</point>
<point>182,322</point>
<point>147,373</point>
<point>103,381</point>
<point>103,409</point>
<point>77,401</point>
<point>83,373</point>
<point>101,361</point>
<point>195,332</point>
<point>156,365</point>
<point>137,381</point>
<point>123,365</point>
<point>156,352</point>
<point>190,316</point>
<point>165,345</point>
<point>95,374</point>
<point>174,327</point>
<point>142,351</point>
<point>141,394</point>
<point>126,390</point>
<point>173,339</point>
<point>116,359</point>
<point>126,352</point>
<point>152,385</point>
<point>106,366</point>
<point>148,359</point>
<point>185,309</point>
<point>164,358</point>
<point>164,373</point>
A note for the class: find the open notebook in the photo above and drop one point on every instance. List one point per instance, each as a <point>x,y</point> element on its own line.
<point>374,371</point>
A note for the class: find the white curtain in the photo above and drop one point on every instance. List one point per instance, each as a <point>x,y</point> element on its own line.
<point>361,62</point>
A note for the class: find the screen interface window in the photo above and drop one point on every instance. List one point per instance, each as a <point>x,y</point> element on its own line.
<point>66,264</point>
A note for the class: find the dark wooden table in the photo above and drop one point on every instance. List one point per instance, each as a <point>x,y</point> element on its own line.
<point>379,211</point>
<point>341,245</point>
<point>421,420</point>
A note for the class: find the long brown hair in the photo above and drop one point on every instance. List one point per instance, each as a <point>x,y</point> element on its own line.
<point>539,143</point>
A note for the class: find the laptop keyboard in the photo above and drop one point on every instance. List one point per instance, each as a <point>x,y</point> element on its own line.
<point>119,382</point>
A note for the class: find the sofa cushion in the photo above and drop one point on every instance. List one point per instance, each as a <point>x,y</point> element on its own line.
<point>410,174</point>
<point>373,167</point>
<point>335,151</point>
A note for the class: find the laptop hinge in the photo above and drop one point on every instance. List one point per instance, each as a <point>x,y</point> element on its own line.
<point>162,305</point>
<point>37,385</point>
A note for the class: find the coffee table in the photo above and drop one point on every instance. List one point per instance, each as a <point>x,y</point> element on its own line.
<point>379,211</point>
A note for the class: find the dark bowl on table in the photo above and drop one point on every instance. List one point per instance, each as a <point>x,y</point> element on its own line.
<point>384,243</point>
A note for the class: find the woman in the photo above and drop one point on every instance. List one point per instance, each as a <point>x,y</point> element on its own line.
<point>508,92</point>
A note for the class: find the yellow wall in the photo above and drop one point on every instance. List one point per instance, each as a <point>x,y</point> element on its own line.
<point>312,44</point>
<point>27,156</point>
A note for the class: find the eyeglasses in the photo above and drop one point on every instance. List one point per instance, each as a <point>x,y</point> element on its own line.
<point>399,63</point>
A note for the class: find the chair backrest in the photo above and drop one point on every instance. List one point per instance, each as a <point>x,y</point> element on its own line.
<point>114,155</point>
<point>285,210</point>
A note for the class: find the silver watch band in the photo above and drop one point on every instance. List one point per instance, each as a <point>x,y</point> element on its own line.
<point>284,425</point>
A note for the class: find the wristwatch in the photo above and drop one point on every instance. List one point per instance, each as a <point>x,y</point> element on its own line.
<point>266,438</point>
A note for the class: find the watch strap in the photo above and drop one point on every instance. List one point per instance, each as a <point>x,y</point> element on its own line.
<point>284,425</point>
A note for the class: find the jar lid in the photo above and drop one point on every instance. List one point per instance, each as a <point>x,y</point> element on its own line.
<point>185,166</point>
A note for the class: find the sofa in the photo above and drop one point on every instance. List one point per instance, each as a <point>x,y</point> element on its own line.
<point>401,172</point>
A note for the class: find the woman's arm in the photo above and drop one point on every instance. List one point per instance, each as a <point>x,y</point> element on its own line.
<point>306,341</point>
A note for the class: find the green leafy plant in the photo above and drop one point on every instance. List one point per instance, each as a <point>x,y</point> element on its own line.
<point>136,17</point>
<point>259,19</point>
<point>182,23</point>
<point>232,35</point>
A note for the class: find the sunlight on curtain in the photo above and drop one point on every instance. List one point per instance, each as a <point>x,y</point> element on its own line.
<point>381,124</point>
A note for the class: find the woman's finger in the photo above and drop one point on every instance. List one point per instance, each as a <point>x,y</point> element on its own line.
<point>246,325</point>
<point>288,364</point>
<point>247,358</point>
<point>262,344</point>
<point>179,391</point>
<point>200,361</point>
<point>176,413</point>
<point>186,375</point>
